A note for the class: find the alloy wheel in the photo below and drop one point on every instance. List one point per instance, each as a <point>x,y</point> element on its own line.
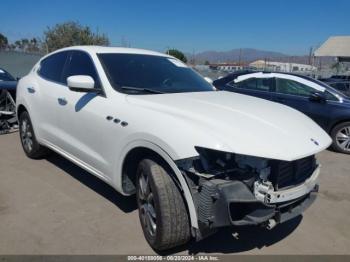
<point>26,135</point>
<point>343,138</point>
<point>147,210</point>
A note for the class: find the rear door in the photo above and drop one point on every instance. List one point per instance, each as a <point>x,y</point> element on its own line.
<point>258,87</point>
<point>297,95</point>
<point>44,95</point>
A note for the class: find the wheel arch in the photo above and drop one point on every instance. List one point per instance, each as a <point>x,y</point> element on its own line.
<point>128,165</point>
<point>338,122</point>
<point>20,109</point>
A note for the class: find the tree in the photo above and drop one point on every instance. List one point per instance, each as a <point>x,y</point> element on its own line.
<point>72,33</point>
<point>3,42</point>
<point>207,62</point>
<point>178,54</point>
<point>18,44</point>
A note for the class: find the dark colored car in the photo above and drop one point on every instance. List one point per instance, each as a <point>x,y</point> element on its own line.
<point>324,104</point>
<point>8,84</point>
<point>339,82</point>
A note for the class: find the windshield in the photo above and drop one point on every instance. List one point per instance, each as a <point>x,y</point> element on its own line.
<point>4,76</point>
<point>136,73</point>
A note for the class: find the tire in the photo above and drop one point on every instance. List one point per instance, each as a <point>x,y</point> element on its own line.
<point>30,145</point>
<point>160,200</point>
<point>341,138</point>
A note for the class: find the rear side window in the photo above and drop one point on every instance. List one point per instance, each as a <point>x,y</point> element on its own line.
<point>259,84</point>
<point>80,63</point>
<point>51,67</point>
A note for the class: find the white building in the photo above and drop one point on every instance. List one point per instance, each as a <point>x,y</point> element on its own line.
<point>281,67</point>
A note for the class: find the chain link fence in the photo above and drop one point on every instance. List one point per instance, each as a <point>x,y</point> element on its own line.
<point>17,64</point>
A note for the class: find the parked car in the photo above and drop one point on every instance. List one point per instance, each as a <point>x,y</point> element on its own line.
<point>8,119</point>
<point>339,82</point>
<point>145,123</point>
<point>325,105</point>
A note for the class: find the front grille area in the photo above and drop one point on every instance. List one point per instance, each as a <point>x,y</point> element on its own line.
<point>291,173</point>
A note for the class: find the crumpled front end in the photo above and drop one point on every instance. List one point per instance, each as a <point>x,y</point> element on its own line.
<point>232,189</point>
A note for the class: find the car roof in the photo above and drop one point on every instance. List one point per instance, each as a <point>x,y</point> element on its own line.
<point>115,50</point>
<point>237,74</point>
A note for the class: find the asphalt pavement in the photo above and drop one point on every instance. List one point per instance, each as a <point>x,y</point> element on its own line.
<point>51,206</point>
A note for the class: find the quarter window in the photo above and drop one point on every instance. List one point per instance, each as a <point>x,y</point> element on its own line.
<point>51,67</point>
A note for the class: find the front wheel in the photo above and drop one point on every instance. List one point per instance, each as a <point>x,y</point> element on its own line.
<point>162,210</point>
<point>341,138</point>
<point>29,143</point>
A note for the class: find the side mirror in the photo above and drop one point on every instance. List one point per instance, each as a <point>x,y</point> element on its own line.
<point>317,97</point>
<point>209,80</point>
<point>82,83</point>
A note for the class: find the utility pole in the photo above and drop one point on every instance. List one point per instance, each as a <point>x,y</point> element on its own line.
<point>240,57</point>
<point>193,57</point>
<point>124,42</point>
<point>310,55</point>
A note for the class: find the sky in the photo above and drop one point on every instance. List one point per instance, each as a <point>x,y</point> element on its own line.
<point>290,27</point>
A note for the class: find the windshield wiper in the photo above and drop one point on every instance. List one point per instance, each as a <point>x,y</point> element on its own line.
<point>148,90</point>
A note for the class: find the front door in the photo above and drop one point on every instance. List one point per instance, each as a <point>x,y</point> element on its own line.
<point>86,127</point>
<point>297,95</point>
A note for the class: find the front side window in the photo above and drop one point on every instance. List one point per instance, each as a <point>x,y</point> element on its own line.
<point>51,67</point>
<point>80,63</point>
<point>259,84</point>
<point>134,73</point>
<point>330,96</point>
<point>290,87</point>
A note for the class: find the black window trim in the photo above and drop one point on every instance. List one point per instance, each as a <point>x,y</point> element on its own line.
<point>69,54</point>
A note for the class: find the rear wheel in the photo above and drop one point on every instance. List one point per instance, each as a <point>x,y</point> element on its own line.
<point>29,143</point>
<point>162,210</point>
<point>341,138</point>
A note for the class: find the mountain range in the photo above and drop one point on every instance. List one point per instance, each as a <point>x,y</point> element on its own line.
<point>245,55</point>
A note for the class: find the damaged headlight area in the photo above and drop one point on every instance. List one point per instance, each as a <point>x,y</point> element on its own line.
<point>234,189</point>
<point>224,165</point>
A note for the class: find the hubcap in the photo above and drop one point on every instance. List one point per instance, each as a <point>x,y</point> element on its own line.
<point>27,136</point>
<point>147,210</point>
<point>343,138</point>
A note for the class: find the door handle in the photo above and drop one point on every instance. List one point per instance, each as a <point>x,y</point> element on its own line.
<point>31,90</point>
<point>62,101</point>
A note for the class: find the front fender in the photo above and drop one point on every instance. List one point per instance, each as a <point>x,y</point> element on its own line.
<point>164,154</point>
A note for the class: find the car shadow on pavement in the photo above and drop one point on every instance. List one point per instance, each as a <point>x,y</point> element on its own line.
<point>226,241</point>
<point>125,203</point>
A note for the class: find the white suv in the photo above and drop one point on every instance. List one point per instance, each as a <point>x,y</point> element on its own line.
<point>145,123</point>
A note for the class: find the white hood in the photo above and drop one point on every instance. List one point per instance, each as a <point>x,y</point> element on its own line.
<point>237,123</point>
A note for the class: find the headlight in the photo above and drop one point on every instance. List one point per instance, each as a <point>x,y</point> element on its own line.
<point>227,165</point>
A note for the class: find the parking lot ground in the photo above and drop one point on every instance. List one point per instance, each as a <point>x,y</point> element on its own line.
<point>51,206</point>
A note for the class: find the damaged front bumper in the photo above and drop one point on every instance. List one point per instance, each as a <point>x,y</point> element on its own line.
<point>266,193</point>
<point>222,203</point>
<point>262,192</point>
